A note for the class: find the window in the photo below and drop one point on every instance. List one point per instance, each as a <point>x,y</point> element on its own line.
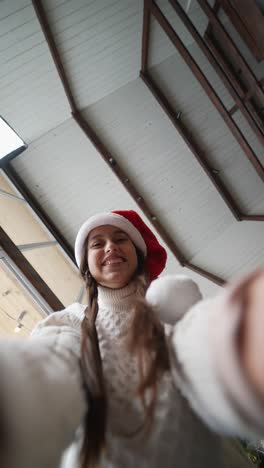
<point>10,143</point>
<point>21,307</point>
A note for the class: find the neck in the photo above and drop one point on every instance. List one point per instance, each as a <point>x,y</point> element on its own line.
<point>118,298</point>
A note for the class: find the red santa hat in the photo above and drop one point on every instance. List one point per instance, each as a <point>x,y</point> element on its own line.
<point>131,223</point>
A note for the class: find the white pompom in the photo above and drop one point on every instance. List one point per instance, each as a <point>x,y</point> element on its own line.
<point>171,296</point>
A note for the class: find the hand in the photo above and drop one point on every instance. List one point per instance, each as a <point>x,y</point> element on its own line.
<point>250,295</point>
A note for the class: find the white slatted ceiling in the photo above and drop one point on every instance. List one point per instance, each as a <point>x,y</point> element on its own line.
<point>150,148</point>
<point>30,88</point>
<point>100,46</point>
<point>134,128</point>
<point>235,251</point>
<point>100,43</point>
<point>186,95</point>
<point>64,166</point>
<point>160,48</point>
<point>164,170</point>
<point>54,170</point>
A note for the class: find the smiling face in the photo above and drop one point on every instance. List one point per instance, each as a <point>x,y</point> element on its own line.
<point>112,257</point>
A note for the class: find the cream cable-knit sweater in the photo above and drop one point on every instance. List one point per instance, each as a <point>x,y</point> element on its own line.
<point>41,386</point>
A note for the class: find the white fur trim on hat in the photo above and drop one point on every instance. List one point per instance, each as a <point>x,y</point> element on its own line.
<point>103,219</point>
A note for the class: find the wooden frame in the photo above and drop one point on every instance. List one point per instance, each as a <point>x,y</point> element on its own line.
<point>29,272</point>
<point>240,89</point>
<point>224,38</point>
<point>215,60</point>
<point>151,8</point>
<point>248,20</point>
<point>27,195</point>
<point>189,60</point>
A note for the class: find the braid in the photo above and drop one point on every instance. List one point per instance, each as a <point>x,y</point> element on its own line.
<point>91,365</point>
<point>147,340</point>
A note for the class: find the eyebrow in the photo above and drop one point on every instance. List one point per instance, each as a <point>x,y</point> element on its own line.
<point>98,236</point>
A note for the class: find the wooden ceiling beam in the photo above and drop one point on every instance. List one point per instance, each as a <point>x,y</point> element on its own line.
<point>247,18</point>
<point>43,20</point>
<point>219,70</point>
<point>230,46</point>
<point>29,272</point>
<point>145,35</point>
<point>198,153</point>
<point>201,271</point>
<point>209,90</point>
<point>186,134</point>
<point>252,218</point>
<point>192,144</point>
<point>245,95</point>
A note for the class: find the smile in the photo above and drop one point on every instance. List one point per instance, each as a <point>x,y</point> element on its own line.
<point>114,261</point>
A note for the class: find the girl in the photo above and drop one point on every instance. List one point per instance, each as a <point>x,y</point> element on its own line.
<point>126,390</point>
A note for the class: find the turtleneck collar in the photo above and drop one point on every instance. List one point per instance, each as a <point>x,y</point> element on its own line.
<point>117,298</point>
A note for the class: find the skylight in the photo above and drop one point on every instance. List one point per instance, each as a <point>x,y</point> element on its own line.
<point>10,142</point>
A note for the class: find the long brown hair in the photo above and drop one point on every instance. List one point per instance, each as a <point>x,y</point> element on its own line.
<point>146,339</point>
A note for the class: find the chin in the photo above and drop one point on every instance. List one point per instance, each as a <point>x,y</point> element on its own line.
<point>115,283</point>
<point>118,285</point>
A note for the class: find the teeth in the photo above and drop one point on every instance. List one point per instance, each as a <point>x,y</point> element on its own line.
<point>113,262</point>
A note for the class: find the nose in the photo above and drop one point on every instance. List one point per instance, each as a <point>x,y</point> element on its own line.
<point>110,246</point>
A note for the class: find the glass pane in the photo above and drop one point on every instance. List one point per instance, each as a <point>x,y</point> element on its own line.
<point>18,312</point>
<point>6,186</point>
<point>18,220</point>
<point>23,227</point>
<point>57,271</point>
<point>10,141</point>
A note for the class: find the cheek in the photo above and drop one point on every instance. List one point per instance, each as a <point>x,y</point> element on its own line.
<point>93,259</point>
<point>133,257</point>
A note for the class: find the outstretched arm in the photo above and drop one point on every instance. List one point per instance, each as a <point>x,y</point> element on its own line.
<point>41,392</point>
<point>217,351</point>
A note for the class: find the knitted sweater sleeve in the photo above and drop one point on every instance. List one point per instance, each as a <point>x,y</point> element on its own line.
<point>42,399</point>
<point>205,361</point>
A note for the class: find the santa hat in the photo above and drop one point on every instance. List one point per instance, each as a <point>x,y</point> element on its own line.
<point>131,223</point>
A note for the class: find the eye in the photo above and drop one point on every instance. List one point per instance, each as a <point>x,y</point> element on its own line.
<point>122,239</point>
<point>96,245</point>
